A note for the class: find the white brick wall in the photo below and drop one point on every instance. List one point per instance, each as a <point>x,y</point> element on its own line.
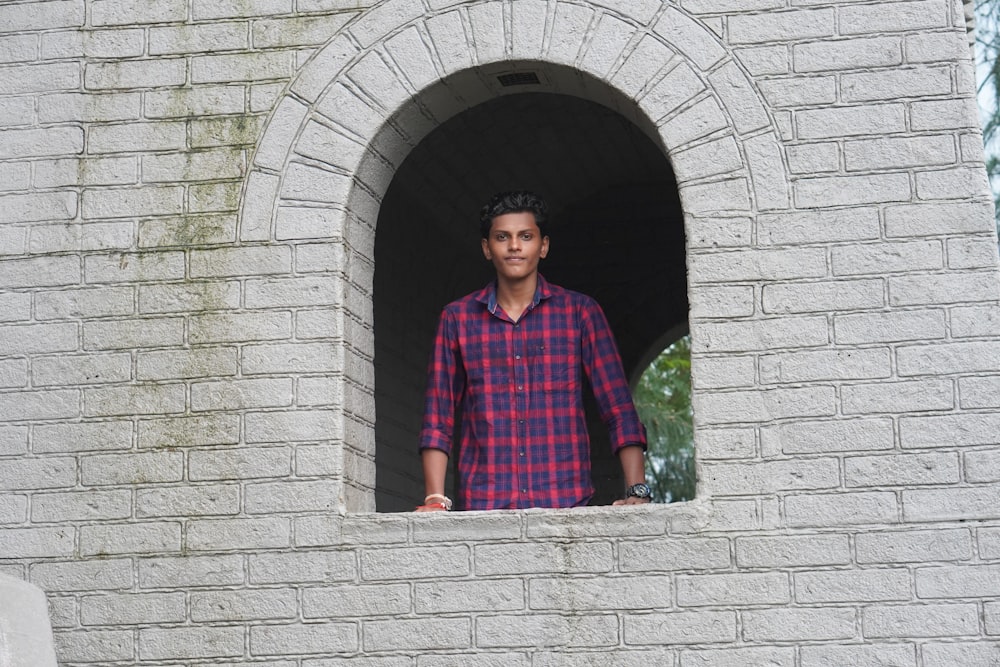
<point>188,198</point>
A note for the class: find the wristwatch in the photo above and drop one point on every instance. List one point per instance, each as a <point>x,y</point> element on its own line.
<point>638,491</point>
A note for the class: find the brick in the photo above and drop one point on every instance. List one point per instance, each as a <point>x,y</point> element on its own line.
<point>989,543</point>
<point>895,397</point>
<point>726,443</point>
<point>873,585</point>
<point>975,321</point>
<point>799,91</point>
<point>241,394</point>
<point>847,54</point>
<point>963,357</point>
<point>134,333</point>
<point>239,464</point>
<point>780,26</point>
<point>747,265</point>
<point>732,479</point>
<point>125,12</point>
<point>51,404</point>
<point>824,365</point>
<point>182,642</point>
<point>132,469</point>
<point>298,31</point>
<point>764,60</point>
<point>232,131</point>
<point>764,405</point>
<point>696,121</point>
<point>895,84</point>
<point>851,190</point>
<point>239,327</point>
<point>982,467</point>
<point>291,497</point>
<point>132,608</point>
<point>545,630</point>
<point>47,77</point>
<point>13,440</point>
<point>960,653</point>
<point>981,392</point>
<point>14,373</point>
<point>686,627</point>
<point>348,601</point>
<point>129,75</point>
<point>241,261</point>
<point>193,363</point>
<point>198,296</point>
<point>898,152</point>
<point>303,566</point>
<point>95,645</point>
<point>259,66</point>
<point>943,114</point>
<point>954,183</point>
<point>189,431</point>
<point>191,571</point>
<point>901,16</point>
<point>766,334</point>
<point>83,303</point>
<point>738,589</point>
<point>196,101</point>
<point>13,509</point>
<point>208,229</point>
<point>798,624</point>
<point>80,437</point>
<point>927,620</point>
<point>972,254</point>
<point>414,563</point>
<point>212,163</point>
<point>914,546</point>
<point>37,542</point>
<point>38,338</point>
<point>90,575</point>
<point>719,232</point>
<point>722,372</point>
<point>66,237</point>
<point>245,534</point>
<point>42,16</point>
<point>823,296</point>
<point>886,327</point>
<point>294,292</point>
<point>243,605</point>
<point>818,226</point>
<point>810,437</point>
<point>38,207</point>
<point>17,143</point>
<point>239,9</point>
<point>962,504</point>
<point>149,399</point>
<point>902,469</point>
<point>673,554</point>
<point>81,369</point>
<point>792,551</point>
<point>188,501</point>
<point>139,538</point>
<point>304,638</point>
<point>737,657</point>
<point>957,581</point>
<point>298,425</point>
<point>131,202</point>
<point>844,509</point>
<point>861,655</point>
<point>928,47</point>
<point>89,107</point>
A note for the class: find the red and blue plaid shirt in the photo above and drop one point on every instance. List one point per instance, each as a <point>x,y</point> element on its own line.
<point>524,436</point>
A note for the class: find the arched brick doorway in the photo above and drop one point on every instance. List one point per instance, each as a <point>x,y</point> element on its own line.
<point>617,233</point>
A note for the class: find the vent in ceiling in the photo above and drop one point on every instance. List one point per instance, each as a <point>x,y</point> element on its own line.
<point>518,79</point>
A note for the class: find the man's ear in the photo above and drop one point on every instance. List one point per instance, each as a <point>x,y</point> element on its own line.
<point>486,250</point>
<point>545,246</point>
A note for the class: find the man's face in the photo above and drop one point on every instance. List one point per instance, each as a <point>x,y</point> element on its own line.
<point>515,245</point>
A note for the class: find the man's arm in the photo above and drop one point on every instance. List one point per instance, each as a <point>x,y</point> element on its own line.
<point>435,464</point>
<point>633,462</point>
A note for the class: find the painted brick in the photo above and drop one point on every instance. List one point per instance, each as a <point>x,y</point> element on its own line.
<point>851,190</point>
<point>291,497</point>
<point>951,504</point>
<point>827,655</point>
<point>143,468</point>
<point>799,91</point>
<point>93,575</point>
<point>872,585</point>
<point>179,643</point>
<point>424,634</point>
<point>737,657</point>
<point>244,534</point>
<point>226,464</point>
<point>292,358</point>
<point>767,334</point>
<point>243,605</point>
<point>799,624</point>
<point>241,394</point>
<point>886,327</point>
<point>920,15</point>
<point>824,365</point>
<point>719,232</point>
<point>818,226</point>
<point>302,566</point>
<point>189,431</point>
<point>810,437</point>
<point>149,399</point>
<point>957,581</point>
<point>974,321</point>
<point>45,77</point>
<point>546,630</point>
<point>191,571</point>
<point>781,26</point>
<point>131,538</point>
<point>764,405</point>
<point>892,85</point>
<point>841,509</point>
<point>894,397</point>
<point>686,627</point>
<point>40,207</point>
<point>85,303</point>
<point>943,114</point>
<point>37,542</point>
<point>747,265</point>
<point>914,546</point>
<point>732,479</point>
<point>943,358</point>
<point>348,601</point>
<point>95,645</point>
<point>131,608</point>
<point>189,501</point>
<point>960,653</point>
<point>739,589</point>
<point>854,53</point>
<point>792,551</point>
<point>79,437</point>
<point>721,372</point>
<point>726,443</point>
<point>927,620</point>
<point>823,296</point>
<point>52,404</point>
<point>38,338</point>
<point>900,470</point>
<point>240,327</point>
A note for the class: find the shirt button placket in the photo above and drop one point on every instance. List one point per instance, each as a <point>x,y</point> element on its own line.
<point>520,410</point>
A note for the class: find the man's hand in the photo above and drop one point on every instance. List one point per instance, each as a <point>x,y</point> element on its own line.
<point>436,507</point>
<point>631,501</point>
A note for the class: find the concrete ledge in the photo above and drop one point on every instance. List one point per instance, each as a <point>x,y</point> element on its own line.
<point>25,631</point>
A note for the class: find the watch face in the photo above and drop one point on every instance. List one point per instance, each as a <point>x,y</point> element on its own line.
<point>639,491</point>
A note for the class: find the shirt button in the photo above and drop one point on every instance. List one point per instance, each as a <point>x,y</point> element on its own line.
<point>517,356</point>
<point>520,387</point>
<point>521,452</point>
<point>524,490</point>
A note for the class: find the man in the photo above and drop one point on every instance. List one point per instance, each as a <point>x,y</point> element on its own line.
<point>511,356</point>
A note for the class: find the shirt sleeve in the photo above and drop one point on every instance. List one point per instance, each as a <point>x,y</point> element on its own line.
<point>604,369</point>
<point>445,384</point>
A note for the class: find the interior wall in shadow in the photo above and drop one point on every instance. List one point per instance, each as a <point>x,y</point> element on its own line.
<point>616,233</point>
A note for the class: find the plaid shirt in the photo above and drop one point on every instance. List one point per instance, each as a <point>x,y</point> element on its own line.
<point>524,433</point>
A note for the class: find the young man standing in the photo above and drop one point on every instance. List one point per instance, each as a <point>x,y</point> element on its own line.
<point>511,356</point>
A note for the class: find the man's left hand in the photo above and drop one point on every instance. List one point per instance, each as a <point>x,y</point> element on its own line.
<point>631,501</point>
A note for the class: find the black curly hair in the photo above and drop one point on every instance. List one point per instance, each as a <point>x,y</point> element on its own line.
<point>518,201</point>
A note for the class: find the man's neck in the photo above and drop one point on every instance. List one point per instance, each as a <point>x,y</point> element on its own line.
<point>515,296</point>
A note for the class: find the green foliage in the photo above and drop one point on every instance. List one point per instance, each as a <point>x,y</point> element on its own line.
<point>663,400</point>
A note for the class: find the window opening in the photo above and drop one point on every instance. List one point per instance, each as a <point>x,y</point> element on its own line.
<point>663,400</point>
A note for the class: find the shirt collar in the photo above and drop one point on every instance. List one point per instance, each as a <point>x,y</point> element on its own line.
<point>488,295</point>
